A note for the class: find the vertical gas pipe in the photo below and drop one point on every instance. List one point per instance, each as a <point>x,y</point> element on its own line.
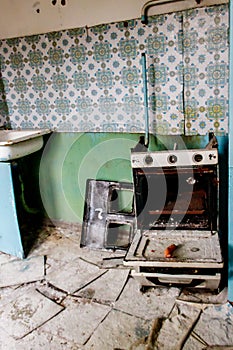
<point>145,99</point>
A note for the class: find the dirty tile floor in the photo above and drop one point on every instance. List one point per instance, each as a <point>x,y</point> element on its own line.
<point>66,297</point>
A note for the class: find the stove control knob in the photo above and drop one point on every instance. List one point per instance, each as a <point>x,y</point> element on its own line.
<point>198,158</point>
<point>148,160</point>
<point>172,159</point>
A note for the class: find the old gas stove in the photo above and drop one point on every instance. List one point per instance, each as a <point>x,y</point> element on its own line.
<point>176,201</point>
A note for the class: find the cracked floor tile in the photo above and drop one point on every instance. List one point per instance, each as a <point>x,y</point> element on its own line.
<point>78,321</point>
<point>73,276</point>
<point>5,340</point>
<point>193,343</point>
<point>205,297</point>
<point>26,313</point>
<point>51,292</point>
<point>39,340</point>
<point>9,294</point>
<point>177,327</point>
<point>220,319</point>
<point>107,287</point>
<point>4,258</point>
<point>97,256</point>
<point>119,331</point>
<point>22,271</point>
<point>154,303</point>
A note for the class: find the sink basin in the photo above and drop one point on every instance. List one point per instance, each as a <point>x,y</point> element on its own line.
<point>19,143</point>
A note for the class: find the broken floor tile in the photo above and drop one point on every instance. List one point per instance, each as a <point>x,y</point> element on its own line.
<point>193,343</point>
<point>175,329</point>
<point>5,340</point>
<point>109,263</point>
<point>107,287</point>
<point>9,294</point>
<point>26,313</point>
<point>6,258</point>
<point>51,292</point>
<point>202,296</point>
<point>22,271</point>
<point>96,256</point>
<point>39,340</point>
<point>217,318</point>
<point>78,321</point>
<point>154,303</point>
<point>119,331</point>
<point>72,276</point>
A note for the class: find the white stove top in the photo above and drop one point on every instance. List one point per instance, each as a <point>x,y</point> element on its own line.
<point>171,158</point>
<point>194,249</point>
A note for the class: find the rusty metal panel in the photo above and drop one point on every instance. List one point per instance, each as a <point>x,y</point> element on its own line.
<point>109,217</point>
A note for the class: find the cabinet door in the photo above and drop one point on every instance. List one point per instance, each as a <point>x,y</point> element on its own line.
<point>10,238</point>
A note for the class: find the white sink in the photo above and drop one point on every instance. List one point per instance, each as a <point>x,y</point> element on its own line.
<point>19,143</point>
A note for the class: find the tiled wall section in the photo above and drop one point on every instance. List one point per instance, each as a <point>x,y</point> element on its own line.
<point>91,79</point>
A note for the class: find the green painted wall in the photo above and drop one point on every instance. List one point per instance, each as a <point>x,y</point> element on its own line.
<point>69,159</point>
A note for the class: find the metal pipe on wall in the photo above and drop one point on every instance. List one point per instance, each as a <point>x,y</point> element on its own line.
<point>151,3</point>
<point>146,143</point>
<point>181,5</point>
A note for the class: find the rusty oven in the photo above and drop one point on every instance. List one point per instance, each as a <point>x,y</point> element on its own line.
<point>176,201</point>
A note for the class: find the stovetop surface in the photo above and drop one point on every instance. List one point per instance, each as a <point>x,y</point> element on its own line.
<point>192,247</point>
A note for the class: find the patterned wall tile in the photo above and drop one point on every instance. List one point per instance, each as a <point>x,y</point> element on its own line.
<point>91,79</point>
<point>206,70</point>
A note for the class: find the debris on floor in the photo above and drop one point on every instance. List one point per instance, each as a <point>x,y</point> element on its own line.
<point>63,297</point>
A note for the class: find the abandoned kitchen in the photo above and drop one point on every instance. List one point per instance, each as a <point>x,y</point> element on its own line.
<point>116,168</point>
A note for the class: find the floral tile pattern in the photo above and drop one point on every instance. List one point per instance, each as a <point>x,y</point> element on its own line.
<point>206,70</point>
<point>91,79</point>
